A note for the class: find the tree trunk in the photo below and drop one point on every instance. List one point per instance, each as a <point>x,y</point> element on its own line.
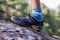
<point>11,31</point>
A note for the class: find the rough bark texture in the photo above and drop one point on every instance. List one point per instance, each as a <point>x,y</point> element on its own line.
<point>11,31</point>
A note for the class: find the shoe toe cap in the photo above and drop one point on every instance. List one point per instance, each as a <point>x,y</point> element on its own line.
<point>13,17</point>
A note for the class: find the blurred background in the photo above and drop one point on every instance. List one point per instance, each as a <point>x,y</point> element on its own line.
<point>50,12</point>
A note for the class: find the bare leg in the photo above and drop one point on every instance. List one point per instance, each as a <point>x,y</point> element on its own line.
<point>36,9</point>
<point>35,3</point>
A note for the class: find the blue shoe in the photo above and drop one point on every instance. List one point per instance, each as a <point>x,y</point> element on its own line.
<point>26,20</point>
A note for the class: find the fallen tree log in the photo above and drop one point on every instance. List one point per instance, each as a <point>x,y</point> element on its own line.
<point>11,31</point>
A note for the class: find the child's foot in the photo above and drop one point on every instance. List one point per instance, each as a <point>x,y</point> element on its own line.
<point>26,20</point>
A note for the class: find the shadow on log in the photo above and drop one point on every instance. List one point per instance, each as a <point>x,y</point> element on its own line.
<point>11,31</point>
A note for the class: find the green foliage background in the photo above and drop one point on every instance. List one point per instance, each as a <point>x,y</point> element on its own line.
<point>21,7</point>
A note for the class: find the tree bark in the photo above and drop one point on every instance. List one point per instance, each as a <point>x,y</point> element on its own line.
<point>11,31</point>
